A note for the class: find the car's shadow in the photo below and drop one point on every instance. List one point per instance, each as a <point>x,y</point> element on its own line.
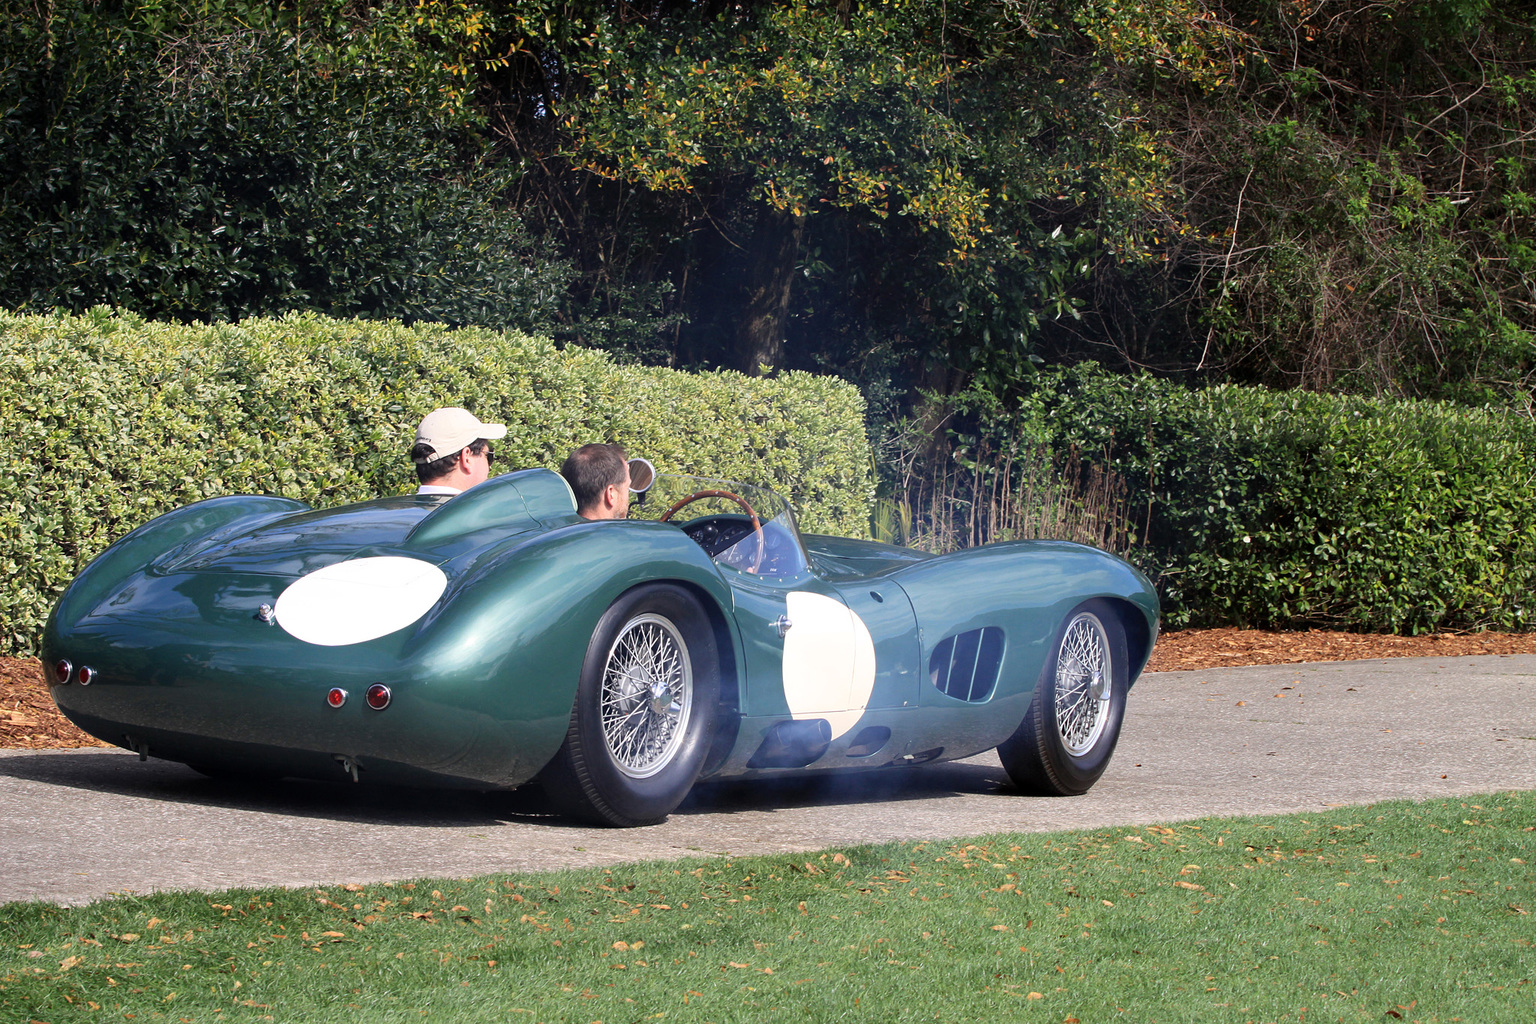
<point>169,782</point>
<point>927,782</point>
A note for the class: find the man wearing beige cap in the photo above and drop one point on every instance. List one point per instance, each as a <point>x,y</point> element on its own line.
<point>453,451</point>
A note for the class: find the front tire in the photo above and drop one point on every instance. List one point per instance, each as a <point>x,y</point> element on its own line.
<point>1070,730</point>
<point>644,713</point>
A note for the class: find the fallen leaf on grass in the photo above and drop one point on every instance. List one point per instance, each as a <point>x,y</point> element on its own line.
<point>1189,885</point>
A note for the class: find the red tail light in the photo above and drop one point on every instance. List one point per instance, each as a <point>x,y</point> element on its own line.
<point>337,697</point>
<point>378,696</point>
<point>86,675</point>
<point>62,670</point>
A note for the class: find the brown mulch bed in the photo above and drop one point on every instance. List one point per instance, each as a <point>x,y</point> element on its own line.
<point>1196,649</point>
<point>29,720</point>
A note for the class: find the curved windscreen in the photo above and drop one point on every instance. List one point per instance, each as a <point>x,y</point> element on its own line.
<point>743,527</point>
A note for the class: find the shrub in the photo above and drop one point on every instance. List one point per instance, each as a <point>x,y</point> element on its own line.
<point>109,420</point>
<point>1293,509</point>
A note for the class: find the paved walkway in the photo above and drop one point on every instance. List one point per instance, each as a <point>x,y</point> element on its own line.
<point>79,825</point>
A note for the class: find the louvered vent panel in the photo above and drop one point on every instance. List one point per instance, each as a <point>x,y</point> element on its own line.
<point>964,666</point>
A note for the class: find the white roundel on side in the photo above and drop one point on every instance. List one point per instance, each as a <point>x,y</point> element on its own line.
<point>829,661</point>
<point>359,599</point>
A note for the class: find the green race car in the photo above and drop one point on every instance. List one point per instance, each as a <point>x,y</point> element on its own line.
<point>496,638</point>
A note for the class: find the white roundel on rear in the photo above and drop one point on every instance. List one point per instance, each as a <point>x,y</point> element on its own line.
<point>829,661</point>
<point>359,599</point>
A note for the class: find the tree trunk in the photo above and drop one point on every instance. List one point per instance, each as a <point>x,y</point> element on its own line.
<point>770,277</point>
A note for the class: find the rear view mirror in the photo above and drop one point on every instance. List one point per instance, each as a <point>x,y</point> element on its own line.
<point>641,475</point>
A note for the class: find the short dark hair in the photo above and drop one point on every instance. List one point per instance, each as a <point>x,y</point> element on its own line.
<point>426,472</point>
<point>592,468</point>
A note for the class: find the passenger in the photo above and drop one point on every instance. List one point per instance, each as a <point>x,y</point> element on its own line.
<point>453,451</point>
<point>599,477</point>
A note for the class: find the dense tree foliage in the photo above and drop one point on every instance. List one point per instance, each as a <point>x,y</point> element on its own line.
<point>230,161</point>
<point>1365,197</point>
<point>913,193</point>
<point>903,191</point>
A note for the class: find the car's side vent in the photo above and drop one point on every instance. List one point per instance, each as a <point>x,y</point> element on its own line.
<point>964,666</point>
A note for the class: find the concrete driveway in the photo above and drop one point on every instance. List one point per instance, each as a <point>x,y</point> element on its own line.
<point>79,825</point>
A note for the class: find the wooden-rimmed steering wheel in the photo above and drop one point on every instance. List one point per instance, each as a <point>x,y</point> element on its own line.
<point>757,525</point>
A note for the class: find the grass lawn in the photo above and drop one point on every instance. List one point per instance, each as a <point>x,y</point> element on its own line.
<point>1396,911</point>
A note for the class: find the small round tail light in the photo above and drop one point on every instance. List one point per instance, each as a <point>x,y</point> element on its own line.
<point>87,675</point>
<point>337,697</point>
<point>378,696</point>
<point>62,670</point>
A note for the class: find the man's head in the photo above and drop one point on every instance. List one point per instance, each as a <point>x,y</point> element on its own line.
<point>599,477</point>
<point>453,448</point>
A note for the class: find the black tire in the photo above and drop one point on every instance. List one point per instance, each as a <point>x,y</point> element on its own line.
<point>634,766</point>
<point>1070,730</point>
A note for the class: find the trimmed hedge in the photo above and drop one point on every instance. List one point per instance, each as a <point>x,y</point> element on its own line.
<point>107,420</point>
<point>1291,509</point>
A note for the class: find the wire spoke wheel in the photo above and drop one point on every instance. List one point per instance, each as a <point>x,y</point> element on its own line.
<point>1083,671</point>
<point>1069,732</point>
<point>644,713</point>
<point>647,695</point>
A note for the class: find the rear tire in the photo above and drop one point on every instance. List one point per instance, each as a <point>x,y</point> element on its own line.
<point>1070,730</point>
<point>644,713</point>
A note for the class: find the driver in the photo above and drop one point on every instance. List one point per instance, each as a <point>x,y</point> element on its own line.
<point>599,477</point>
<point>452,452</point>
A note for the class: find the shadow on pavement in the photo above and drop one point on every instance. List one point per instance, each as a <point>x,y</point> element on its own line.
<point>170,782</point>
<point>927,782</point>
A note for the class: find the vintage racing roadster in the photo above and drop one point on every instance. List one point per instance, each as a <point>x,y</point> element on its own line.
<point>495,638</point>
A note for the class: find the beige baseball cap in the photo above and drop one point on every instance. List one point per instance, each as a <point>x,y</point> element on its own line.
<point>450,430</point>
